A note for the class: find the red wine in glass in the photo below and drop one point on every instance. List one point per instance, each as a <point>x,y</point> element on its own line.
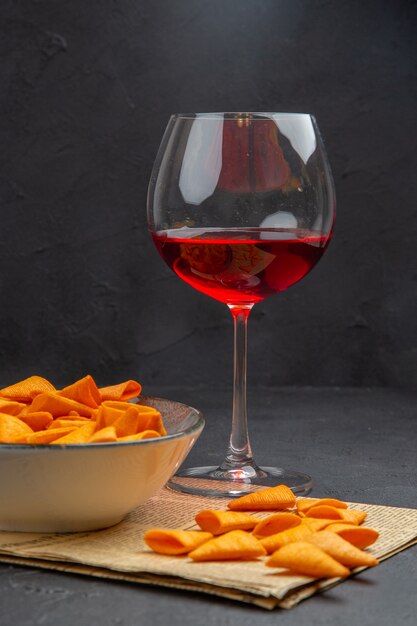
<point>241,267</point>
<point>240,206</point>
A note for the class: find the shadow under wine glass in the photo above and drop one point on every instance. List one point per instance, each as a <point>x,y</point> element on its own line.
<point>241,206</point>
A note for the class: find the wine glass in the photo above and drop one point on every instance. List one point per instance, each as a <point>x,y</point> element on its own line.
<point>240,206</point>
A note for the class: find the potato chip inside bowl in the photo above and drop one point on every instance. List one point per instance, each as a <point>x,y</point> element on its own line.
<point>69,487</point>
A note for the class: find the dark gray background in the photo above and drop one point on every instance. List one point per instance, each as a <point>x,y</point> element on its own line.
<point>87,89</point>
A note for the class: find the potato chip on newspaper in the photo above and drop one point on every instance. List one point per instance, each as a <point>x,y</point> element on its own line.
<point>275,523</point>
<point>302,557</point>
<point>341,550</point>
<point>359,536</point>
<point>175,542</point>
<point>270,499</point>
<point>219,522</point>
<point>234,545</point>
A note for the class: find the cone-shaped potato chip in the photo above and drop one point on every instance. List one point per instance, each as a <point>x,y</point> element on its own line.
<point>297,533</point>
<point>127,423</point>
<point>235,545</point>
<point>330,512</point>
<point>175,542</point>
<point>317,524</point>
<point>84,391</point>
<point>122,391</point>
<point>152,420</point>
<point>304,504</point>
<point>107,415</point>
<point>62,422</point>
<point>37,421</point>
<point>341,550</point>
<point>324,512</point>
<point>276,523</point>
<point>307,559</point>
<point>145,434</point>
<point>26,390</point>
<point>359,536</point>
<point>219,522</point>
<point>59,406</point>
<point>46,436</point>
<point>270,499</point>
<point>148,417</point>
<point>81,434</point>
<point>119,405</point>
<point>11,428</point>
<point>11,407</point>
<point>354,516</point>
<point>105,435</point>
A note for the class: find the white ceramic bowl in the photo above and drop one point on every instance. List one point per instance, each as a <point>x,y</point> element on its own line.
<point>68,488</point>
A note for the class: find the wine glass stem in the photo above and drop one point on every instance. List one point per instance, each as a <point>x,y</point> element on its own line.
<point>239,453</point>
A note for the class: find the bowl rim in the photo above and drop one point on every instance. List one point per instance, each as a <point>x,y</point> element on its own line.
<point>194,428</point>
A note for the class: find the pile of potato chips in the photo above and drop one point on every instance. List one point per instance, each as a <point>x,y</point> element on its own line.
<point>33,411</point>
<point>319,538</point>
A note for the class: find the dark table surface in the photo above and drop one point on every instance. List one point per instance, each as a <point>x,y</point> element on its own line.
<point>358,444</point>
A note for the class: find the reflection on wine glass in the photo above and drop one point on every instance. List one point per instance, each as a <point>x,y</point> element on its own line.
<point>241,207</point>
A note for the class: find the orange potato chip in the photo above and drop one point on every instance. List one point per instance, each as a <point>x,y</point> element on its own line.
<point>317,524</point>
<point>59,406</point>
<point>79,435</point>
<point>123,391</point>
<point>107,415</point>
<point>359,536</point>
<point>151,420</point>
<point>104,435</point>
<point>236,544</point>
<point>354,516</point>
<point>272,498</point>
<point>148,417</point>
<point>145,434</point>
<point>304,504</point>
<point>46,436</point>
<point>297,533</point>
<point>11,407</point>
<point>62,422</point>
<point>84,391</point>
<point>304,558</point>
<point>40,407</point>
<point>341,550</point>
<point>37,421</point>
<point>329,512</point>
<point>276,523</point>
<point>11,428</point>
<point>324,512</point>
<point>26,390</point>
<point>127,423</point>
<point>175,542</point>
<point>118,405</point>
<point>218,522</point>
<point>124,406</point>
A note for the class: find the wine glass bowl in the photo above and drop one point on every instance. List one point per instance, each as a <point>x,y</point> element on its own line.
<point>241,207</point>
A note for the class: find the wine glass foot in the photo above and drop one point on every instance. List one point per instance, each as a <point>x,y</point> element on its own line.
<point>213,482</point>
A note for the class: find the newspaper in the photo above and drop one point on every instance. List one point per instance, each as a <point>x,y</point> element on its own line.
<point>119,552</point>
